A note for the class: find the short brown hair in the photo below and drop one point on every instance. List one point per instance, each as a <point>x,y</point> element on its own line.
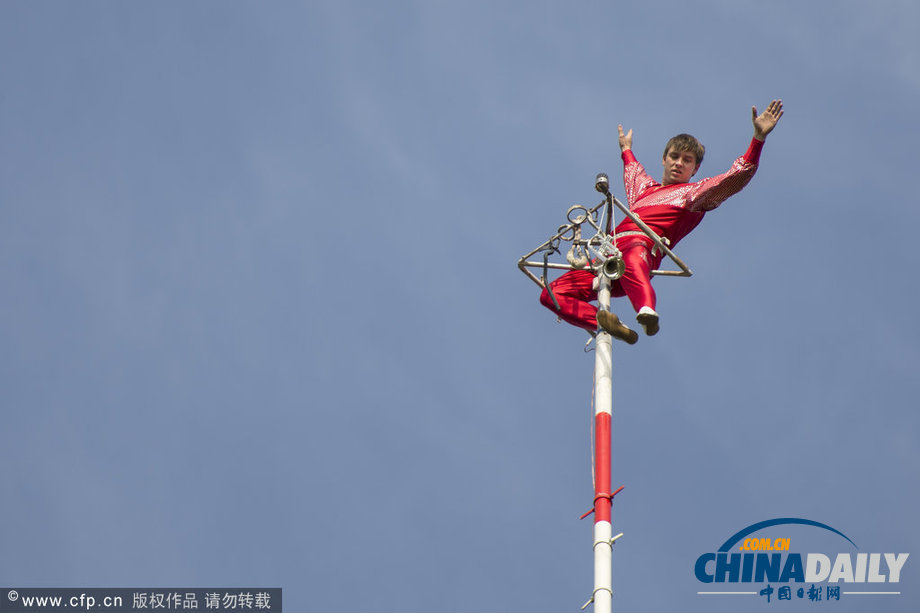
<point>686,142</point>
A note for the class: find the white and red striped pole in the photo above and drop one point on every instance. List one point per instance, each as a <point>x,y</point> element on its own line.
<point>603,412</point>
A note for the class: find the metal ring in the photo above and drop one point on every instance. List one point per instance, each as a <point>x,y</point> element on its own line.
<point>563,231</point>
<point>581,218</point>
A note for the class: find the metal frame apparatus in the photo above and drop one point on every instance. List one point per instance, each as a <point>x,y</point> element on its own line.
<point>600,253</point>
<point>598,250</point>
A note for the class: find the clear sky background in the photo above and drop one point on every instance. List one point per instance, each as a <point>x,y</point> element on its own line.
<point>262,325</point>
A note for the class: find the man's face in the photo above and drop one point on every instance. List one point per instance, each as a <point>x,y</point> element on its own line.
<point>679,166</point>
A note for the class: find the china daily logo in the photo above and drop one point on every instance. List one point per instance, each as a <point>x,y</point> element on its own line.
<point>762,555</point>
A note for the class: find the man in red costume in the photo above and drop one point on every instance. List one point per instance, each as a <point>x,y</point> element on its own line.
<point>672,208</point>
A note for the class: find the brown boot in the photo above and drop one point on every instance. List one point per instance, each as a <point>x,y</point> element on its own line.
<point>617,329</point>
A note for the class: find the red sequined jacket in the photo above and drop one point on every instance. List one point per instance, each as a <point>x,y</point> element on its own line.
<point>672,211</point>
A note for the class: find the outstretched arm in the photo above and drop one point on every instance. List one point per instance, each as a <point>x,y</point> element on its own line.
<point>625,139</point>
<point>766,121</point>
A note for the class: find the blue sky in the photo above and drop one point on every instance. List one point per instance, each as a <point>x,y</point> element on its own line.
<point>262,322</point>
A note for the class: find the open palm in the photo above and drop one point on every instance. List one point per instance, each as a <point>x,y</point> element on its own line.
<point>766,121</point>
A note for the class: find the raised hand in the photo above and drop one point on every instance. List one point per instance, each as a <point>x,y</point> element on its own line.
<point>625,139</point>
<point>766,121</point>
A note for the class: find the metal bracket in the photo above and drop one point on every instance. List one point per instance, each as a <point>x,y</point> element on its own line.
<point>609,496</point>
<point>610,542</point>
<point>594,593</point>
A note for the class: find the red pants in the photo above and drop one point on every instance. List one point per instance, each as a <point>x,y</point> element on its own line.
<point>574,292</point>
